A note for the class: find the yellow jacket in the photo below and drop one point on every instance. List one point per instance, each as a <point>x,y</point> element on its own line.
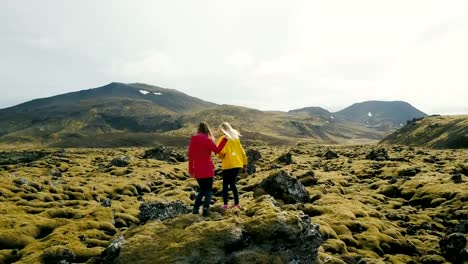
<point>233,155</point>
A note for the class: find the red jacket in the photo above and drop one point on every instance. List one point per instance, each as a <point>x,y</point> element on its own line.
<point>199,155</point>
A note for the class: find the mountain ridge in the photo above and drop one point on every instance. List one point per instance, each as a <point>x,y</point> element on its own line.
<point>137,112</point>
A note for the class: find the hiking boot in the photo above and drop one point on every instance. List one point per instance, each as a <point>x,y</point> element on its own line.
<point>236,206</point>
<point>195,211</point>
<point>206,212</point>
<point>225,207</point>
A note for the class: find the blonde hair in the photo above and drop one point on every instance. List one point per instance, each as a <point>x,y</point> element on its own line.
<point>230,132</point>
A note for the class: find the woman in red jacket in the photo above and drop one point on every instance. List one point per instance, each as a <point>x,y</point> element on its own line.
<point>201,166</point>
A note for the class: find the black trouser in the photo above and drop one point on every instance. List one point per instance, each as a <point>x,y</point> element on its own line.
<point>229,181</point>
<point>206,188</point>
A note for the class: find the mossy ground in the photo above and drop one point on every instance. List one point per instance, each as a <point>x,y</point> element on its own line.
<point>366,209</point>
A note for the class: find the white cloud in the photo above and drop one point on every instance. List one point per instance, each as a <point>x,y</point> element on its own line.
<point>263,54</point>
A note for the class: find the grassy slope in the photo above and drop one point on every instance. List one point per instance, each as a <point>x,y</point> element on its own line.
<point>434,132</point>
<point>363,207</point>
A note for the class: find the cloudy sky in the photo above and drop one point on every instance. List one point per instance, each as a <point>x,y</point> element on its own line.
<point>269,55</point>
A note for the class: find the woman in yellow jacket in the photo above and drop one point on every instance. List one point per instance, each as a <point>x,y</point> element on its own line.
<point>234,160</point>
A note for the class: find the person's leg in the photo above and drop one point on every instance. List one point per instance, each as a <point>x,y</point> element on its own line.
<point>225,186</point>
<point>201,193</point>
<point>232,183</point>
<point>208,190</point>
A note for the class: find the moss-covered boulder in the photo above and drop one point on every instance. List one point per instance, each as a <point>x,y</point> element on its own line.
<point>263,233</point>
<point>283,186</point>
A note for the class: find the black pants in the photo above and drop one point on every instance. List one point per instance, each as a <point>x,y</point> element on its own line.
<point>229,181</point>
<point>206,188</point>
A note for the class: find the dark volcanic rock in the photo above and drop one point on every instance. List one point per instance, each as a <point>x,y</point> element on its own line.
<point>457,178</point>
<point>165,154</point>
<point>330,155</point>
<point>106,202</point>
<point>121,161</point>
<point>408,172</point>
<point>161,211</point>
<point>267,235</point>
<point>55,172</point>
<point>110,253</point>
<point>285,158</point>
<point>252,157</point>
<point>282,186</point>
<point>452,247</point>
<point>21,157</point>
<point>379,154</point>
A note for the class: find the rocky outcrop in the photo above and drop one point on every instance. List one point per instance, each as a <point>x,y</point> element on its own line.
<point>330,155</point>
<point>110,253</point>
<point>21,157</point>
<point>161,211</point>
<point>264,234</point>
<point>165,154</point>
<point>121,161</point>
<point>379,154</point>
<point>454,247</point>
<point>285,158</point>
<point>284,187</point>
<point>252,157</point>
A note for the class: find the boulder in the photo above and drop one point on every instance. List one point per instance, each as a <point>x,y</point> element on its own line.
<point>55,172</point>
<point>284,187</point>
<point>161,211</point>
<point>110,253</point>
<point>252,157</point>
<point>330,155</point>
<point>457,178</point>
<point>266,235</point>
<point>14,157</point>
<point>164,153</point>
<point>285,158</point>
<point>106,202</point>
<point>121,161</point>
<point>379,154</point>
<point>452,247</point>
<point>408,172</point>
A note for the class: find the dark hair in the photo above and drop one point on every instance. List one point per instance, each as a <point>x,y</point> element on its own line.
<point>204,128</point>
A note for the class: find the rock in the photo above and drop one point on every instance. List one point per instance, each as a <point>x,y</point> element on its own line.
<point>285,159</point>
<point>121,161</point>
<point>106,202</point>
<point>55,172</point>
<point>20,181</point>
<point>7,158</point>
<point>457,178</point>
<point>461,227</point>
<point>161,211</point>
<point>110,253</point>
<point>408,172</point>
<point>379,154</point>
<point>284,187</point>
<point>452,247</point>
<point>252,157</point>
<point>308,178</point>
<point>164,153</point>
<point>464,170</point>
<point>58,254</point>
<point>267,235</point>
<point>330,155</point>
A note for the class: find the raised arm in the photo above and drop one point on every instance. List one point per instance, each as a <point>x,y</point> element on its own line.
<point>222,153</point>
<point>217,149</point>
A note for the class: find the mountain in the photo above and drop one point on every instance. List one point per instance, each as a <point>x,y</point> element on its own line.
<point>137,114</point>
<point>434,132</point>
<point>81,115</point>
<point>380,114</point>
<point>313,111</point>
